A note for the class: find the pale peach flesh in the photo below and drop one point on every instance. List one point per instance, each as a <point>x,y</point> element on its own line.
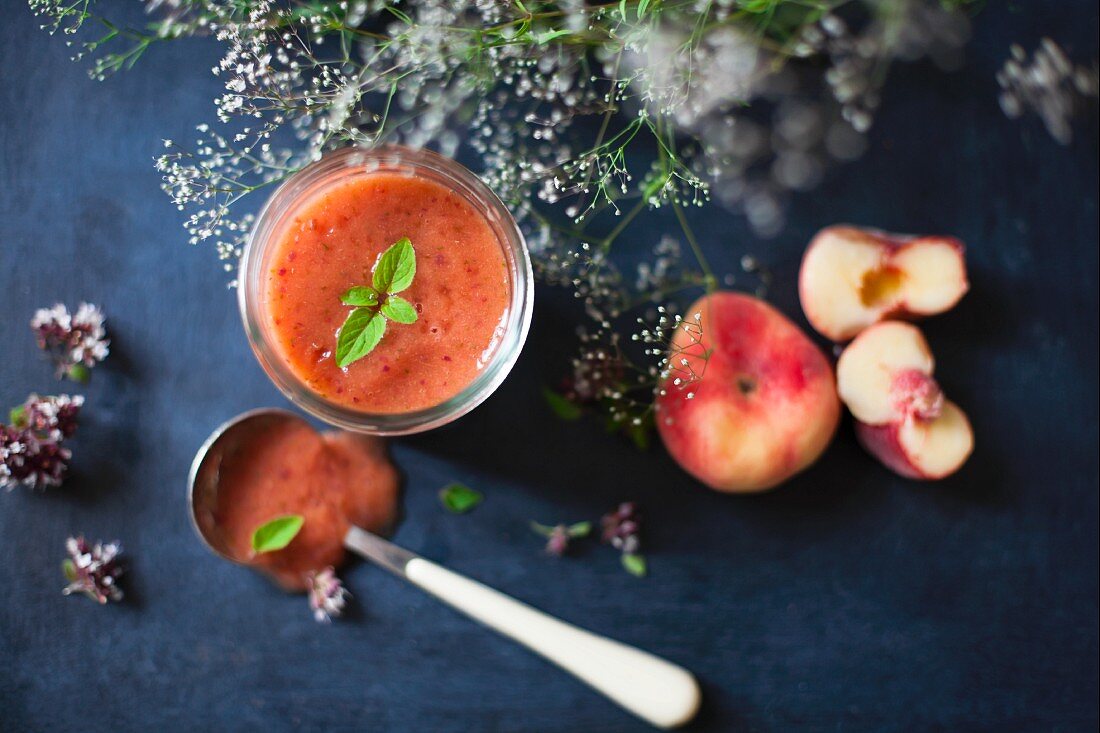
<point>852,278</point>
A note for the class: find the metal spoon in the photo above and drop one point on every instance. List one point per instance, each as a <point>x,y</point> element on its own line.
<point>657,691</point>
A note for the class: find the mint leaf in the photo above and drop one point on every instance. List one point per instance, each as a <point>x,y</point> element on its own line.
<point>17,416</point>
<point>69,569</point>
<point>635,565</point>
<point>79,373</point>
<point>396,268</point>
<point>362,295</point>
<point>459,499</point>
<point>542,529</point>
<point>580,529</point>
<point>359,335</point>
<point>398,309</point>
<point>562,407</point>
<point>639,434</point>
<point>277,534</point>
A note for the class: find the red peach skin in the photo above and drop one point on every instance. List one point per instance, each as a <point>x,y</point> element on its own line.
<point>766,405</point>
<point>882,442</point>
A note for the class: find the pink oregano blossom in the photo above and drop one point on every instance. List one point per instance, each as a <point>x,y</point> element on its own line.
<point>327,595</point>
<point>93,569</point>
<point>32,453</point>
<point>75,342</point>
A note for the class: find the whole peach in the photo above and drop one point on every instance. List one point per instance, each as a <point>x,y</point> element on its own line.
<point>749,400</point>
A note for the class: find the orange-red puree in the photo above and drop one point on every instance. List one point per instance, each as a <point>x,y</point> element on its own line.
<point>332,243</point>
<point>334,480</point>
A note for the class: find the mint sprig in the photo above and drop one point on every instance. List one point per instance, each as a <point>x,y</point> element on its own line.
<point>377,303</point>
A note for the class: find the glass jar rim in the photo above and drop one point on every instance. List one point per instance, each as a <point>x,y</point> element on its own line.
<point>353,161</point>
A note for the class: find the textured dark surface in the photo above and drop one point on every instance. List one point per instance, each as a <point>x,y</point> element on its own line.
<point>847,600</point>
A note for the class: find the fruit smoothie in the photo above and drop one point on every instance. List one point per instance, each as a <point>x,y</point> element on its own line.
<point>333,480</point>
<point>332,241</point>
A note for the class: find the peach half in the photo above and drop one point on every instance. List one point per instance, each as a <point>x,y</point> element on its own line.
<point>852,278</point>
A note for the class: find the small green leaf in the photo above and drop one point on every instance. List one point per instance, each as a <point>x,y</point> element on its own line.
<point>396,268</point>
<point>399,310</point>
<point>635,565</point>
<point>642,6</point>
<point>79,373</point>
<point>639,435</point>
<point>547,36</point>
<point>17,416</point>
<point>277,534</point>
<point>579,529</point>
<point>655,184</point>
<point>562,407</point>
<point>459,499</point>
<point>361,295</point>
<point>359,335</point>
<point>622,9</point>
<point>69,569</point>
<point>542,529</point>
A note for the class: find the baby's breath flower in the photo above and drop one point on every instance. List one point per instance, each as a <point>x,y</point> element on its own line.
<point>327,595</point>
<point>600,111</point>
<point>1048,84</point>
<point>93,569</point>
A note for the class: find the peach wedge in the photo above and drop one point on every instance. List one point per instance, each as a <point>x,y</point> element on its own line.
<point>902,417</point>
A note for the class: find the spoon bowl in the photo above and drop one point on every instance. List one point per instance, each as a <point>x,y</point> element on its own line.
<point>204,479</point>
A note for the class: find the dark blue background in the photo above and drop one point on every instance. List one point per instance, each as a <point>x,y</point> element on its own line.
<point>847,600</point>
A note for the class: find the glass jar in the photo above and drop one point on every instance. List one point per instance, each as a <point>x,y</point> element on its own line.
<point>337,167</point>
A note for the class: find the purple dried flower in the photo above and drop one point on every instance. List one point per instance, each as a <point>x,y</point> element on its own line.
<point>327,595</point>
<point>93,569</point>
<point>558,541</point>
<point>75,342</point>
<point>622,528</point>
<point>26,460</point>
<point>51,416</point>
<point>31,450</point>
<point>558,536</point>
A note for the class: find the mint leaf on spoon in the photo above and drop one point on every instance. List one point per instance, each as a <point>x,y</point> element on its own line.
<point>276,534</point>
